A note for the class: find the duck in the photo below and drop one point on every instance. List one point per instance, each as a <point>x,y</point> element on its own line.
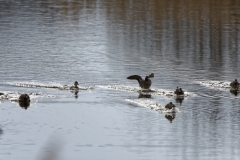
<point>235,84</point>
<point>170,106</point>
<point>24,101</point>
<point>179,91</point>
<point>75,86</point>
<point>144,84</point>
<point>24,98</point>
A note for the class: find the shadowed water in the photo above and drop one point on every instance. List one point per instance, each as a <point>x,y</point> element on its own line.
<point>46,45</point>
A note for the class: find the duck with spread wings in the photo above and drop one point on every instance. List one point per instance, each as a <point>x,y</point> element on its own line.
<point>143,83</point>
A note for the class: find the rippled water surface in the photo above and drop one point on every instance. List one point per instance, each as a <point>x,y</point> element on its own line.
<point>47,44</point>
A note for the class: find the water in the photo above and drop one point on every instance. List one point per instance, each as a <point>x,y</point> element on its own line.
<point>191,44</point>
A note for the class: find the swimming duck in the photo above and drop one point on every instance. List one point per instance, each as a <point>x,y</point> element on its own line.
<point>24,98</point>
<point>144,84</point>
<point>179,91</point>
<point>170,106</point>
<point>235,84</point>
<point>24,101</point>
<point>75,85</point>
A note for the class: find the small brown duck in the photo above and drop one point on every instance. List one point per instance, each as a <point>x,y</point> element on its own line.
<point>170,106</point>
<point>235,84</point>
<point>75,85</point>
<point>144,84</point>
<point>179,91</point>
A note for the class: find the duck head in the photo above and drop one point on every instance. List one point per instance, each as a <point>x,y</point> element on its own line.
<point>75,83</point>
<point>236,81</point>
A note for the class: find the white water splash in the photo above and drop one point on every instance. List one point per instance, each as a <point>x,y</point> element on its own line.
<point>216,84</point>
<point>153,105</point>
<point>13,96</point>
<point>52,85</point>
<point>120,88</point>
<point>146,91</point>
<point>171,93</point>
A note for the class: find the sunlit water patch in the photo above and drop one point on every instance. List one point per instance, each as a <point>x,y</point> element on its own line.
<point>52,85</point>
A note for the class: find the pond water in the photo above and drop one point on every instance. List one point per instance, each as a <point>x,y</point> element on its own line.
<point>46,44</point>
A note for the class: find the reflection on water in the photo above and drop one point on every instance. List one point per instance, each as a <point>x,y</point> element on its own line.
<point>234,92</point>
<point>170,117</point>
<point>180,28</point>
<point>179,100</point>
<point>193,44</point>
<point>23,104</point>
<point>75,94</point>
<point>1,131</point>
<point>141,95</point>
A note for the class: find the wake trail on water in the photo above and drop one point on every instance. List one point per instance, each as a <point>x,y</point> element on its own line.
<point>153,105</point>
<point>146,91</point>
<point>51,85</point>
<point>215,84</point>
<point>13,96</point>
<point>59,86</point>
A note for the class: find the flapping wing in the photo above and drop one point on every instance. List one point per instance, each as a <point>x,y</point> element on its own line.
<point>135,77</point>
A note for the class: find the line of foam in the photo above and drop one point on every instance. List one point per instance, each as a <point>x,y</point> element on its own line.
<point>151,91</point>
<point>215,84</point>
<point>153,105</point>
<point>52,85</point>
<point>13,96</point>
